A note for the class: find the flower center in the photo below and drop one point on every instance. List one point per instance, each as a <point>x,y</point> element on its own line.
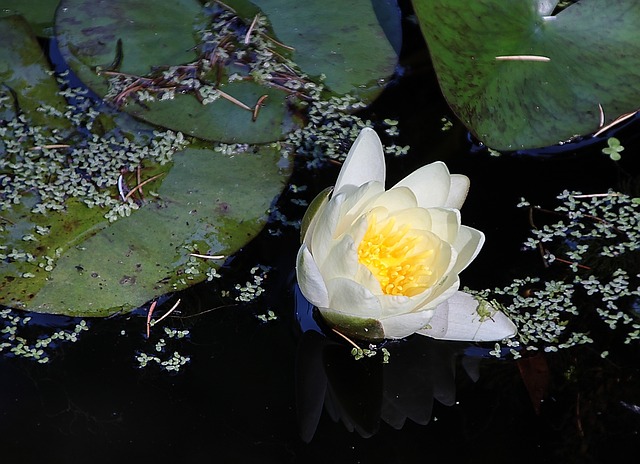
<point>398,258</point>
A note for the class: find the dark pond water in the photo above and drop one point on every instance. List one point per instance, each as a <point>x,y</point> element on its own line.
<point>265,392</point>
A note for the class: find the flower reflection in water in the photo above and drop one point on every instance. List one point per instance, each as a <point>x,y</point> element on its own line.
<point>363,394</point>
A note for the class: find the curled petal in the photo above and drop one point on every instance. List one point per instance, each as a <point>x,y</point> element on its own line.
<point>342,260</point>
<point>355,204</point>
<point>364,163</point>
<point>458,319</point>
<point>319,239</point>
<point>396,199</point>
<point>468,244</point>
<point>445,223</point>
<point>310,279</point>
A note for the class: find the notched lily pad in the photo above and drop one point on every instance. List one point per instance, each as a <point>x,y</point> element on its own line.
<point>24,72</point>
<point>518,78</point>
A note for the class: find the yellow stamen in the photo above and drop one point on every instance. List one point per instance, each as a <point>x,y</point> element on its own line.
<point>397,257</point>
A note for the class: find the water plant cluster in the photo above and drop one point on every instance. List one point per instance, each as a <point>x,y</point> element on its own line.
<point>19,337</point>
<point>53,166</point>
<point>593,250</point>
<point>167,359</point>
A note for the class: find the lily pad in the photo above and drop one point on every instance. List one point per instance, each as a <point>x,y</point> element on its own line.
<point>348,45</point>
<point>255,100</point>
<point>24,71</point>
<point>518,78</point>
<point>207,205</point>
<point>69,258</point>
<point>38,13</point>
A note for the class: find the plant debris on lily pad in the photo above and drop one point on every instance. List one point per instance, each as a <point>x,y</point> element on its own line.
<point>221,72</point>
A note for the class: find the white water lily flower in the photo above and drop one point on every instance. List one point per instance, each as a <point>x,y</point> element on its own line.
<point>384,263</point>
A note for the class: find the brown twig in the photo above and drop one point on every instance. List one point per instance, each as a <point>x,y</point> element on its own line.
<point>233,100</point>
<point>49,147</point>
<point>197,255</point>
<point>256,108</point>
<point>149,313</point>
<point>616,121</point>
<point>247,37</point>
<point>140,185</point>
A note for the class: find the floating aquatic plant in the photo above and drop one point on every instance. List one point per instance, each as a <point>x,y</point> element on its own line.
<point>21,337</point>
<point>595,247</point>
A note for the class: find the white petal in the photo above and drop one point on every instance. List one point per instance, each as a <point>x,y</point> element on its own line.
<point>458,319</point>
<point>310,280</point>
<point>356,204</point>
<point>445,223</point>
<point>437,294</point>
<point>342,260</point>
<point>430,184</point>
<point>418,218</point>
<point>468,244</point>
<point>458,191</point>
<point>396,305</point>
<point>321,239</point>
<point>364,163</point>
<point>396,199</point>
<point>350,297</point>
<point>405,324</point>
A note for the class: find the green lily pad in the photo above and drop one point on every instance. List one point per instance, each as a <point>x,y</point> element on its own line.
<point>24,71</point>
<point>346,44</point>
<point>257,87</point>
<point>38,13</point>
<point>59,250</point>
<point>207,204</point>
<point>518,78</point>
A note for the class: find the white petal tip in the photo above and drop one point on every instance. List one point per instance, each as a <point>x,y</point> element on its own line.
<point>464,318</point>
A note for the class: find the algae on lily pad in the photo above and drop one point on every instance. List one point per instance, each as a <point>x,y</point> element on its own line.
<point>519,78</point>
<point>222,72</point>
<point>105,217</point>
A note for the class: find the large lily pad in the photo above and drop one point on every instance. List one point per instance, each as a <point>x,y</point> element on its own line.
<point>68,258</point>
<point>349,48</point>
<point>570,66</point>
<point>208,203</point>
<point>38,13</point>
